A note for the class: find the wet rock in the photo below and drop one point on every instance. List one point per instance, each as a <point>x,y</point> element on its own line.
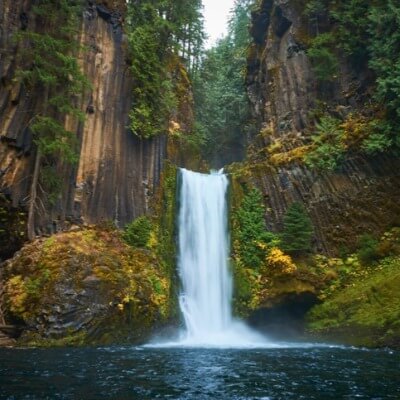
<point>286,318</point>
<point>104,13</point>
<point>282,23</point>
<point>23,17</point>
<point>85,287</point>
<point>6,341</point>
<point>90,109</point>
<point>12,228</point>
<point>91,280</point>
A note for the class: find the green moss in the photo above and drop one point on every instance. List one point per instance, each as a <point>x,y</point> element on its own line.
<point>366,312</point>
<point>35,340</point>
<point>131,288</point>
<point>127,287</point>
<point>263,274</point>
<point>163,237</point>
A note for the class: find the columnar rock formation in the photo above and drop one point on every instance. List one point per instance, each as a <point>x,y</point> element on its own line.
<point>362,196</point>
<point>116,172</point>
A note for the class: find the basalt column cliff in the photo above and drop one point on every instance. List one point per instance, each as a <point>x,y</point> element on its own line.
<point>287,96</point>
<point>116,172</point>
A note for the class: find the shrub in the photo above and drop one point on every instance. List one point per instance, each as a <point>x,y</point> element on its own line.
<point>280,262</point>
<point>368,249</point>
<point>328,147</point>
<point>379,139</point>
<point>138,232</point>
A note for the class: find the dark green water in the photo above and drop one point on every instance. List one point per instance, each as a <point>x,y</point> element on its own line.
<point>141,373</point>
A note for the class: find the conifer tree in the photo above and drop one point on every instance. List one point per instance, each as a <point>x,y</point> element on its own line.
<point>50,67</point>
<point>251,230</point>
<point>221,103</point>
<point>298,231</point>
<point>158,32</point>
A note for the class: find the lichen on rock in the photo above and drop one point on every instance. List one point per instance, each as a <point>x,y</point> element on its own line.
<point>85,287</point>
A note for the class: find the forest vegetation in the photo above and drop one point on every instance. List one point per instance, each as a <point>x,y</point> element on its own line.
<point>164,42</point>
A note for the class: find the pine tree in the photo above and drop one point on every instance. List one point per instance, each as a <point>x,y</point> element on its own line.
<point>250,230</point>
<point>221,103</point>
<point>160,31</point>
<point>298,231</point>
<point>51,69</point>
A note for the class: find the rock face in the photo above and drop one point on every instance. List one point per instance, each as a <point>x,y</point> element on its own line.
<point>117,172</point>
<point>363,195</point>
<point>84,287</point>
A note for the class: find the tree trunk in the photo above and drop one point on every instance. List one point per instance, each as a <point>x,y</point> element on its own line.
<point>33,195</point>
<point>35,180</point>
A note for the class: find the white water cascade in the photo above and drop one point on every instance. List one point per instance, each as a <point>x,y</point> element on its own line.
<point>206,296</point>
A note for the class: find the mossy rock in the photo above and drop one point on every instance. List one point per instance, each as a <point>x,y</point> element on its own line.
<point>85,287</point>
<point>273,285</point>
<point>366,312</point>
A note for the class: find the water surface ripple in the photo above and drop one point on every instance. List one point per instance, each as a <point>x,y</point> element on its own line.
<point>184,373</point>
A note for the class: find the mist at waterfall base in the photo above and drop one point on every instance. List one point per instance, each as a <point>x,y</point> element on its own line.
<point>206,294</point>
<point>204,270</point>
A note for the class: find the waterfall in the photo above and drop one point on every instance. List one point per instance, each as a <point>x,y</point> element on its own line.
<point>206,295</point>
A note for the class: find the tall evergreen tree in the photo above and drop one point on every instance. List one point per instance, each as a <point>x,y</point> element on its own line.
<point>159,31</point>
<point>384,28</point>
<point>51,68</point>
<point>220,95</point>
<point>250,230</point>
<point>298,231</point>
<point>367,33</point>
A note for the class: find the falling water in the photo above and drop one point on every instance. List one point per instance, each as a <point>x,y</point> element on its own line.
<point>204,270</point>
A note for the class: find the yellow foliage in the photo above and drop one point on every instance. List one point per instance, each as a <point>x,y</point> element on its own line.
<point>280,261</point>
<point>297,154</point>
<point>17,294</point>
<point>255,282</point>
<point>174,127</point>
<point>356,128</point>
<point>262,246</point>
<point>275,147</point>
<point>266,132</point>
<point>153,240</point>
<point>160,294</point>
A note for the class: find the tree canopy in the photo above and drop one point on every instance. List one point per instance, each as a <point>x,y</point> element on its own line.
<point>367,33</point>
<point>158,30</point>
<point>221,104</point>
<point>50,68</point>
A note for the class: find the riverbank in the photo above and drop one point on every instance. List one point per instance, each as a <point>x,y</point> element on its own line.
<point>364,313</point>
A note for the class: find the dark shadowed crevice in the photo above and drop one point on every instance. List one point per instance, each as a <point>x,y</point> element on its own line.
<point>286,319</point>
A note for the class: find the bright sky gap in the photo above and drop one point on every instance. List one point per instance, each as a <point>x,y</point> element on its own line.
<point>216,15</point>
